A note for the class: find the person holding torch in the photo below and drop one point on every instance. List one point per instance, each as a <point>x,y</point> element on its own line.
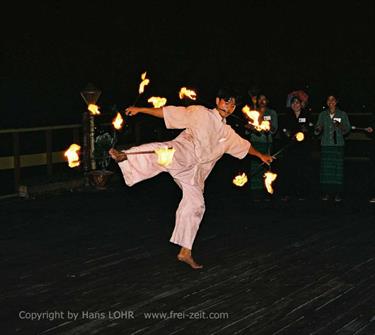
<point>262,140</point>
<point>295,168</point>
<point>205,139</point>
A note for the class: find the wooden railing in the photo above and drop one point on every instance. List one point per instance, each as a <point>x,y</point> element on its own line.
<point>18,160</point>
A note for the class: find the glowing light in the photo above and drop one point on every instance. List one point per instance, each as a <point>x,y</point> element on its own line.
<point>240,180</point>
<point>72,155</point>
<point>94,109</point>
<point>165,155</point>
<point>143,83</point>
<point>300,136</point>
<point>253,117</point>
<point>118,121</point>
<point>157,101</point>
<point>269,178</point>
<point>185,92</point>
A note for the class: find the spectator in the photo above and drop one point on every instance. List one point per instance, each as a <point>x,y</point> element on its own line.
<point>332,125</point>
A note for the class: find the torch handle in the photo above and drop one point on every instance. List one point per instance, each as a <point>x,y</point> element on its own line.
<point>136,100</point>
<point>114,141</point>
<point>143,152</point>
<point>358,128</point>
<point>140,152</point>
<point>282,149</point>
<point>257,169</point>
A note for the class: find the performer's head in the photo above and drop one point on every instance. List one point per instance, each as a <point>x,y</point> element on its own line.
<point>226,101</point>
<point>296,104</point>
<point>262,100</point>
<point>332,101</point>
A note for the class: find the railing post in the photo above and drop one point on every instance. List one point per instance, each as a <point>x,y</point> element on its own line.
<point>49,152</point>
<point>17,161</point>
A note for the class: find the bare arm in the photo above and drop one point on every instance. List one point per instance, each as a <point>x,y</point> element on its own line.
<point>157,112</point>
<point>263,157</point>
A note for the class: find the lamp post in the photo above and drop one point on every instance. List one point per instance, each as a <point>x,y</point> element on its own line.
<point>90,95</point>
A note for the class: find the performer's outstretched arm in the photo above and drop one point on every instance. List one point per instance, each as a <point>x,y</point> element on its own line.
<point>157,112</point>
<point>263,157</point>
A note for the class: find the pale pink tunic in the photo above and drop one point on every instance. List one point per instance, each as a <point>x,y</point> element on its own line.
<point>204,141</point>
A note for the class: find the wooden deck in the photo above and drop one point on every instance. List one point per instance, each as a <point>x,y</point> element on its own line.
<point>100,263</point>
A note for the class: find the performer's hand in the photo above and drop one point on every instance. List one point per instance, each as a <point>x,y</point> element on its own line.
<point>131,111</point>
<point>267,158</point>
<point>369,129</point>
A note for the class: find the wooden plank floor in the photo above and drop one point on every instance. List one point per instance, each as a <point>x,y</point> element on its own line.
<point>100,263</point>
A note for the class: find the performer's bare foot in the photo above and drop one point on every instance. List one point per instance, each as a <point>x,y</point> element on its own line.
<point>185,256</point>
<point>118,156</point>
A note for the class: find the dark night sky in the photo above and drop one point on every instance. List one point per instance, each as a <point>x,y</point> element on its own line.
<point>52,50</point>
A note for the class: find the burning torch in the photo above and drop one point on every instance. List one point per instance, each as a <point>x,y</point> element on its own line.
<point>187,93</point>
<point>117,125</point>
<point>299,137</point>
<point>144,82</point>
<point>165,154</point>
<point>72,155</point>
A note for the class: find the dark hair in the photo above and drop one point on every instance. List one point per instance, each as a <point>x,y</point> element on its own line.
<point>332,94</point>
<point>227,92</point>
<point>295,98</point>
<point>253,91</point>
<point>261,93</point>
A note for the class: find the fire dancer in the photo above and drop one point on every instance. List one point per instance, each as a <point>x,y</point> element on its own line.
<point>204,141</point>
<point>332,125</point>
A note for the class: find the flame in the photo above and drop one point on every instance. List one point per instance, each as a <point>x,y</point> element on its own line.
<point>118,121</point>
<point>143,83</point>
<point>265,125</point>
<point>240,180</point>
<point>300,136</point>
<point>269,178</point>
<point>157,101</point>
<point>184,92</point>
<point>165,155</point>
<point>72,155</point>
<point>253,117</point>
<point>94,109</point>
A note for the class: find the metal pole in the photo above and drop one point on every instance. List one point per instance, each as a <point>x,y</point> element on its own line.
<point>92,142</point>
<point>85,147</point>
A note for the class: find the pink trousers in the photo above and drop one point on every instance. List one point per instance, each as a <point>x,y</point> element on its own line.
<point>191,209</point>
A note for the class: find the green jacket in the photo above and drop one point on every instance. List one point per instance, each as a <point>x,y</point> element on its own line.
<point>331,134</point>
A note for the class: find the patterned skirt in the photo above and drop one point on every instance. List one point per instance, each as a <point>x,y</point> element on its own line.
<point>332,168</point>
